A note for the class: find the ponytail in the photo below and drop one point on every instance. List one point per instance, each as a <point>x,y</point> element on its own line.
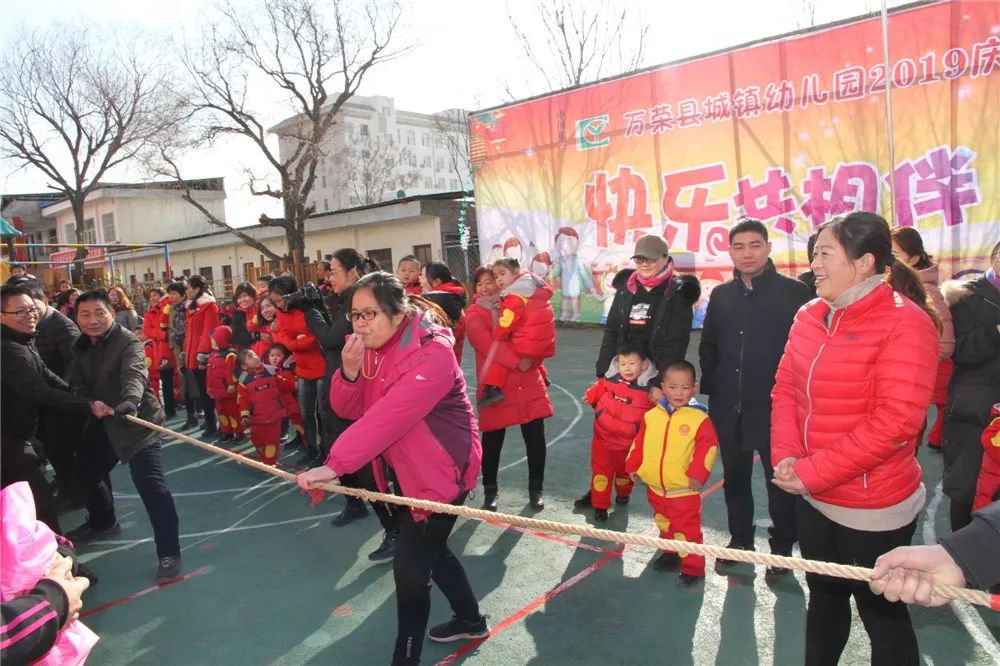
<point>906,281</point>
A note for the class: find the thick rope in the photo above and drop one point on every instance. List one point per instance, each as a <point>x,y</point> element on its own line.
<point>941,589</point>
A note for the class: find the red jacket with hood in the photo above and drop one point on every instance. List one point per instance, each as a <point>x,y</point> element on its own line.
<point>154,327</point>
<point>295,334</point>
<point>619,406</point>
<point>850,395</point>
<point>220,377</point>
<point>202,318</point>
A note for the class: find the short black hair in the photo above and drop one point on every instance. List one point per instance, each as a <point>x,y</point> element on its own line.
<point>435,270</point>
<point>628,348</point>
<point>11,290</point>
<point>681,365</point>
<point>284,350</point>
<point>510,263</point>
<point>23,267</point>
<point>266,277</point>
<point>409,257</point>
<point>244,288</point>
<point>325,264</point>
<point>748,224</point>
<point>811,247</point>
<point>284,285</point>
<point>95,295</point>
<point>35,291</point>
<point>178,288</point>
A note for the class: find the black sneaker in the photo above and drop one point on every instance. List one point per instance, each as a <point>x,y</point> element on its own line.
<point>85,533</point>
<point>190,424</point>
<point>622,500</point>
<point>601,515</point>
<point>208,433</point>
<point>667,562</point>
<point>687,580</point>
<point>490,494</point>
<point>459,630</point>
<point>773,574</point>
<point>491,396</point>
<point>225,438</point>
<point>386,551</point>
<point>238,439</point>
<point>355,510</point>
<point>536,499</point>
<point>721,562</point>
<point>169,568</point>
<point>583,502</point>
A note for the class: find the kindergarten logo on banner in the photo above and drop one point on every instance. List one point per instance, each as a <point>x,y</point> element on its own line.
<point>791,132</point>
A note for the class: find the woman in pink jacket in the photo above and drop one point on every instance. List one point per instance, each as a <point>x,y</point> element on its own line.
<point>908,247</point>
<point>403,387</point>
<point>851,393</point>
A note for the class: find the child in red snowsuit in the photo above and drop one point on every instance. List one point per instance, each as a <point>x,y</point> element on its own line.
<point>525,318</point>
<point>152,360</point>
<point>620,400</point>
<point>220,383</point>
<point>261,405</point>
<point>673,455</point>
<point>283,362</point>
<point>988,487</point>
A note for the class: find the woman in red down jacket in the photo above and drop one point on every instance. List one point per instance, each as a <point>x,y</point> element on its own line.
<point>439,287</point>
<point>527,402</point>
<point>202,318</point>
<point>851,393</point>
<point>154,327</point>
<point>294,333</point>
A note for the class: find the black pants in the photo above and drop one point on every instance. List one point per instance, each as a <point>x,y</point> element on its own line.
<point>960,514</point>
<point>59,432</point>
<point>207,404</point>
<point>167,385</point>
<point>333,427</point>
<point>21,463</point>
<point>146,468</point>
<point>828,619</point>
<point>422,555</point>
<point>534,443</point>
<point>737,468</point>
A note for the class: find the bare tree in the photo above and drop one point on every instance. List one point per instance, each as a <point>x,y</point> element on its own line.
<point>451,129</point>
<point>74,105</point>
<point>315,56</point>
<point>574,43</point>
<point>370,167</point>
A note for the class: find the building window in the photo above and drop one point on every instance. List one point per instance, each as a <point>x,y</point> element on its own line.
<point>70,232</point>
<point>326,204</point>
<point>206,272</point>
<point>248,270</point>
<point>386,111</point>
<point>412,160</point>
<point>453,183</point>
<point>439,164</point>
<point>428,183</point>
<point>187,272</point>
<point>52,236</point>
<point>89,234</point>
<point>382,257</point>
<point>149,277</point>
<point>440,183</point>
<point>439,142</point>
<point>364,154</point>
<point>423,253</point>
<point>364,130</point>
<point>426,162</point>
<point>411,138</point>
<point>227,279</point>
<point>350,129</point>
<point>132,280</point>
<point>425,139</point>
<point>322,182</point>
<point>108,227</point>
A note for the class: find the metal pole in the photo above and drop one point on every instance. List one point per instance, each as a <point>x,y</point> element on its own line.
<point>888,112</point>
<point>166,263</point>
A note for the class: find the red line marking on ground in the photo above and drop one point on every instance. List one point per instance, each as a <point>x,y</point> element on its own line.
<point>528,608</point>
<point>149,590</point>
<point>550,537</point>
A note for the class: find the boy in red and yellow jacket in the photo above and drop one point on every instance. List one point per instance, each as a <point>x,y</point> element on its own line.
<point>261,406</point>
<point>283,363</point>
<point>673,455</point>
<point>525,318</point>
<point>988,487</point>
<point>220,383</point>
<point>620,401</point>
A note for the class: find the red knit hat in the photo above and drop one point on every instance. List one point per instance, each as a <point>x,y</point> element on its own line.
<point>223,336</point>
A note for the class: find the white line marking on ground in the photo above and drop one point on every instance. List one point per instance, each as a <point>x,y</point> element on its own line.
<point>240,528</point>
<point>966,614</point>
<point>566,431</point>
<point>195,493</point>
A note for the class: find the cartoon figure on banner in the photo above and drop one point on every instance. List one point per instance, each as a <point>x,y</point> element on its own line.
<point>603,269</point>
<point>709,279</point>
<point>541,265</point>
<point>513,249</point>
<point>496,252</point>
<point>573,276</point>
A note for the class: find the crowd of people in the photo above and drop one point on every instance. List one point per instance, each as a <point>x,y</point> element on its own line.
<point>827,380</point>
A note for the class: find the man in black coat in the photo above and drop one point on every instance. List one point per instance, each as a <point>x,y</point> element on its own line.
<point>975,384</point>
<point>27,386</point>
<point>746,328</point>
<point>652,309</point>
<point>110,363</point>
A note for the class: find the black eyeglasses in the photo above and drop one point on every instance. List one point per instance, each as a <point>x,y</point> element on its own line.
<point>367,315</point>
<point>26,313</point>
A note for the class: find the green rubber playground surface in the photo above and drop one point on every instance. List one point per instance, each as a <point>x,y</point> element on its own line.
<point>267,580</point>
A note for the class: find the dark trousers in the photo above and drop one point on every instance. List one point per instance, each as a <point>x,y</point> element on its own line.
<point>59,432</point>
<point>207,404</point>
<point>146,468</point>
<point>308,394</point>
<point>828,619</point>
<point>21,463</point>
<point>167,383</point>
<point>737,469</point>
<point>333,427</point>
<point>422,555</point>
<point>534,443</point>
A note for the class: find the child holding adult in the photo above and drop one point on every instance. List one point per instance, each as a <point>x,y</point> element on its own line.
<point>220,381</point>
<point>620,400</point>
<point>525,320</point>
<point>673,455</point>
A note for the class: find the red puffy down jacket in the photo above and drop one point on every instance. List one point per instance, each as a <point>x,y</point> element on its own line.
<point>850,396</point>
<point>220,375</point>
<point>259,396</point>
<point>201,321</point>
<point>619,407</point>
<point>535,335</point>
<point>295,334</point>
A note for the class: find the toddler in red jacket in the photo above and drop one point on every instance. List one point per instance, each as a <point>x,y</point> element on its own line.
<point>673,455</point>
<point>220,384</point>
<point>262,405</point>
<point>520,292</point>
<point>283,362</point>
<point>620,400</point>
<point>988,488</point>
<point>152,365</point>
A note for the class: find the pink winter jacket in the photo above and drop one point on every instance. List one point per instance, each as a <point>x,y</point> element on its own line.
<point>411,412</point>
<point>26,552</point>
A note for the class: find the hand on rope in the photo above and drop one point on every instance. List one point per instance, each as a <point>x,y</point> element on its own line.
<point>314,483</point>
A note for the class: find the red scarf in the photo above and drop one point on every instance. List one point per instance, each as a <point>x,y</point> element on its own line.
<point>651,282</point>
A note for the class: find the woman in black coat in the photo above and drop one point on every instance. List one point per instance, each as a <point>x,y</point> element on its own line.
<point>975,384</point>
